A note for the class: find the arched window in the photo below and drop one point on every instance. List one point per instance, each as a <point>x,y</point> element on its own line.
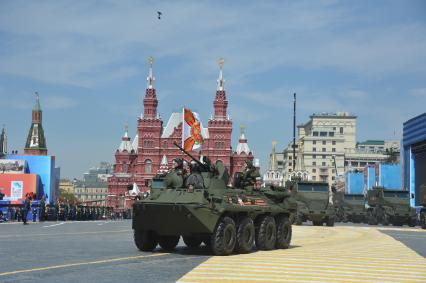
<point>148,166</point>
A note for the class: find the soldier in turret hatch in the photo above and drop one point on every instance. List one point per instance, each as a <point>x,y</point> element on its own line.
<point>177,166</point>
<point>174,178</point>
<point>194,180</point>
<point>250,174</point>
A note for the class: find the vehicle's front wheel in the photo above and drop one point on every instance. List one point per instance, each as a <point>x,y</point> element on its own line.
<point>192,242</point>
<point>266,234</point>
<point>224,237</point>
<point>145,240</point>
<point>284,232</point>
<point>168,243</point>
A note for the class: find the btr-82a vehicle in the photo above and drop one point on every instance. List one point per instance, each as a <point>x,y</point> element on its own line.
<point>227,219</point>
<point>390,207</point>
<point>349,207</point>
<point>313,202</point>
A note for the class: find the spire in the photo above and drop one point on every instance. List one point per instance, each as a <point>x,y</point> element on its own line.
<point>242,138</point>
<point>150,101</point>
<point>125,144</point>
<point>163,165</point>
<point>150,79</point>
<point>37,104</point>
<point>36,141</point>
<point>3,141</point>
<point>126,130</point>
<point>220,103</point>
<point>242,145</point>
<point>273,160</point>
<point>220,80</point>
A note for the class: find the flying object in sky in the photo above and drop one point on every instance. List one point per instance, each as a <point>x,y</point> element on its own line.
<point>159,15</point>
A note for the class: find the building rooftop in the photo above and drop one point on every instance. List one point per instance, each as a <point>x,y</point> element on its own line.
<point>333,115</point>
<point>372,142</point>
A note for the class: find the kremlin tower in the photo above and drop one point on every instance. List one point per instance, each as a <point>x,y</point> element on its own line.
<point>152,150</point>
<point>36,142</point>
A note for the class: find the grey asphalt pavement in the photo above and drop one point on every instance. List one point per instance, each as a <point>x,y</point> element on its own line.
<point>99,251</point>
<point>104,251</point>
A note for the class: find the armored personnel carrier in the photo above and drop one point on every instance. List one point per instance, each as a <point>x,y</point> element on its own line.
<point>349,207</point>
<point>354,208</point>
<point>202,209</point>
<point>421,200</point>
<point>390,207</point>
<point>313,202</point>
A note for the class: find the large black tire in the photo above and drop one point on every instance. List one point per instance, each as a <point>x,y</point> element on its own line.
<point>192,241</point>
<point>330,221</point>
<point>412,222</point>
<point>168,243</point>
<point>266,233</point>
<point>245,236</point>
<point>317,223</point>
<point>284,232</point>
<point>372,220</point>
<point>145,241</point>
<point>224,237</point>
<point>386,220</point>
<point>298,219</point>
<point>423,220</point>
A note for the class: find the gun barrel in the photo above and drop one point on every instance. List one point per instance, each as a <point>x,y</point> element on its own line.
<point>192,157</point>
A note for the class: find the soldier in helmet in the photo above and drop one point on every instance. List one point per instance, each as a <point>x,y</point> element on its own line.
<point>174,178</point>
<point>250,174</point>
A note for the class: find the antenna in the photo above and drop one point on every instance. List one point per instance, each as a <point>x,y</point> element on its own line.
<point>294,131</point>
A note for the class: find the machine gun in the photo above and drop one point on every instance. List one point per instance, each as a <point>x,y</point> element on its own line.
<point>202,165</point>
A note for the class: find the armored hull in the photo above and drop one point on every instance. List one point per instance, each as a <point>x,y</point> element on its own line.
<point>227,219</point>
<point>313,203</point>
<point>390,207</point>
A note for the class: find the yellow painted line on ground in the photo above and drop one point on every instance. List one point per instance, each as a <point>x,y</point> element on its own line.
<point>79,264</point>
<point>330,271</point>
<point>320,254</point>
<point>402,229</point>
<point>323,267</point>
<point>64,234</point>
<point>319,275</point>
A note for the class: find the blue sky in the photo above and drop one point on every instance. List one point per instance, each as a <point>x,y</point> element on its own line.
<point>88,61</point>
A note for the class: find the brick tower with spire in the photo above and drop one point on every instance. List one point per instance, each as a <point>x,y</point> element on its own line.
<point>242,152</point>
<point>36,141</point>
<point>153,150</point>
<point>220,125</point>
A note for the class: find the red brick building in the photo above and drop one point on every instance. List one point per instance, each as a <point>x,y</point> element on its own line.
<point>152,150</point>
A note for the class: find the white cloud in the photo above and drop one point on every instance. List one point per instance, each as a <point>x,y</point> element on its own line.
<point>418,92</point>
<point>69,42</point>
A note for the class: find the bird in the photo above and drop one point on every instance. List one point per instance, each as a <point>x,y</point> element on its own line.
<point>159,15</point>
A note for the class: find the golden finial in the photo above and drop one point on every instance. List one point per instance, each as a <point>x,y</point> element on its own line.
<point>242,128</point>
<point>221,62</point>
<point>150,60</point>
<point>274,143</point>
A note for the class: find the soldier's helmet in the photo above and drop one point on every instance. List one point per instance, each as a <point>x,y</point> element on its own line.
<point>249,163</point>
<point>179,162</point>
